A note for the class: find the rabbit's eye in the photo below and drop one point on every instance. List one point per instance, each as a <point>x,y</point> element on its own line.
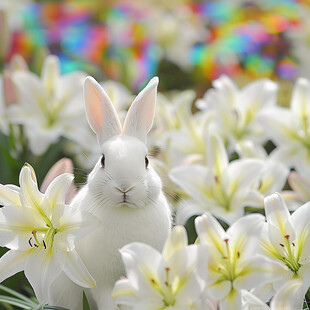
<point>102,160</point>
<point>146,162</point>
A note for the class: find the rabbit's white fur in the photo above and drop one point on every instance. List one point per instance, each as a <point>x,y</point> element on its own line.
<point>122,190</point>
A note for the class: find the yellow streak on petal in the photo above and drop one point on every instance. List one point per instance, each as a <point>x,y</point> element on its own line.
<point>122,292</point>
<point>33,174</point>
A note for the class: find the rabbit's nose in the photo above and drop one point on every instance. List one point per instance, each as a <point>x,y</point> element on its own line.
<point>124,189</point>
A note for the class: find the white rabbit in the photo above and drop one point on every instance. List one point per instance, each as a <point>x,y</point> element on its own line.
<point>123,190</point>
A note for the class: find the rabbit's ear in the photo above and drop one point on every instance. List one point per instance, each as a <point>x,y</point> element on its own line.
<point>101,114</point>
<point>140,116</point>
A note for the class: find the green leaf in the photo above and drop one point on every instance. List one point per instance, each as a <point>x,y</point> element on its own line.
<point>7,307</point>
<point>54,308</point>
<point>18,295</point>
<point>85,302</point>
<point>15,302</point>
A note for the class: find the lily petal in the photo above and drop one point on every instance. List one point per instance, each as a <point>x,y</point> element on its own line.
<point>241,231</point>
<point>241,174</point>
<point>250,301</point>
<point>300,221</point>
<point>191,179</point>
<point>273,178</point>
<point>123,293</point>
<point>260,93</point>
<point>72,224</point>
<point>63,165</point>
<point>232,301</point>
<point>16,225</point>
<point>211,232</point>
<point>76,270</point>
<point>184,264</point>
<point>228,88</point>
<point>50,73</point>
<point>8,196</point>
<point>219,290</point>
<point>46,137</point>
<point>57,189</point>
<point>144,267</point>
<point>216,154</point>
<point>11,263</point>
<point>177,240</point>
<point>28,86</point>
<point>150,304</point>
<point>278,215</point>
<point>264,292</point>
<point>279,123</point>
<point>300,185</point>
<point>29,192</point>
<point>41,270</point>
<point>71,297</point>
<point>287,297</point>
<point>186,209</point>
<point>300,98</point>
<point>257,271</point>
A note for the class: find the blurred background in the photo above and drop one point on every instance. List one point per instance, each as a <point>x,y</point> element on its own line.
<point>188,44</point>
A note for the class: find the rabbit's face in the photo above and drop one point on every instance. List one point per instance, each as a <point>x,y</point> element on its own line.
<point>123,176</point>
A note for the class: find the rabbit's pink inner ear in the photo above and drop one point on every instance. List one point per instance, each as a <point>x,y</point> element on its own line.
<point>101,114</point>
<point>140,117</point>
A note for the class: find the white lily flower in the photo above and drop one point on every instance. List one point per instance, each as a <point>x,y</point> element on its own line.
<point>50,106</point>
<point>273,175</point>
<point>272,179</point>
<point>286,240</point>
<point>237,110</point>
<point>173,113</point>
<point>222,188</point>
<point>233,264</point>
<point>41,233</point>
<point>162,281</point>
<point>300,192</point>
<point>187,143</point>
<point>289,128</point>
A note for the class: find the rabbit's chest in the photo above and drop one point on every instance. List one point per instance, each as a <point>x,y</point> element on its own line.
<point>118,228</point>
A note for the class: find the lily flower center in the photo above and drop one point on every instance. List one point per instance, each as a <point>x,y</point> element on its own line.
<point>42,238</point>
<point>228,266</point>
<point>168,289</point>
<point>290,257</point>
<point>51,107</point>
<point>217,193</point>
